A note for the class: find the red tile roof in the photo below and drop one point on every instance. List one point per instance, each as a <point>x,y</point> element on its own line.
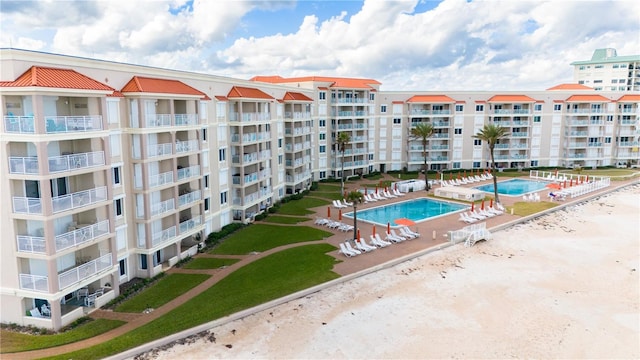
<point>630,98</point>
<point>587,98</point>
<point>221,98</point>
<point>46,77</point>
<point>296,96</point>
<point>116,93</point>
<point>246,92</point>
<point>397,102</point>
<point>511,99</point>
<point>139,84</point>
<point>430,99</point>
<point>570,87</point>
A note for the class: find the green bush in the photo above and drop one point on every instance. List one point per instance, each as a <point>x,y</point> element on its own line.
<point>314,186</point>
<point>226,230</point>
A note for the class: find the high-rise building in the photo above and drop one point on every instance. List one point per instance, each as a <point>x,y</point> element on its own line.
<point>114,171</point>
<point>606,71</point>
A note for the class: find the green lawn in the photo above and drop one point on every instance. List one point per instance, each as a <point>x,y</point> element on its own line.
<point>162,291</point>
<point>16,342</point>
<point>299,207</point>
<point>285,219</point>
<point>265,279</point>
<point>261,237</point>
<point>209,263</point>
<point>328,188</point>
<point>530,208</point>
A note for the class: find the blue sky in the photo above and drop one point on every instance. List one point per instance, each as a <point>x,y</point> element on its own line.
<point>405,44</point>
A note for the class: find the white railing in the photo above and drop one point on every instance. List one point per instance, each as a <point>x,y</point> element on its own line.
<point>188,172</point>
<point>189,198</point>
<point>79,199</point>
<point>161,179</point>
<point>32,244</point>
<point>84,271</point>
<point>159,150</point>
<point>27,205</point>
<point>186,146</point>
<point>65,124</point>
<point>81,235</point>
<point>23,165</point>
<point>158,120</point>
<point>162,236</point>
<point>19,124</point>
<point>190,224</point>
<point>34,282</point>
<point>76,161</point>
<point>162,207</point>
<point>186,119</point>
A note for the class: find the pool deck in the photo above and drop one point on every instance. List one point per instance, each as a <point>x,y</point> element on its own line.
<point>438,226</point>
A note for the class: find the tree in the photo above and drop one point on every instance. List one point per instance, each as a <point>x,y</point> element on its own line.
<point>342,141</point>
<point>422,132</point>
<point>355,197</point>
<point>490,134</point>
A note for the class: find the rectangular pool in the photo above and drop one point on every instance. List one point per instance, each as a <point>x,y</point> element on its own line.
<point>514,187</point>
<point>419,209</point>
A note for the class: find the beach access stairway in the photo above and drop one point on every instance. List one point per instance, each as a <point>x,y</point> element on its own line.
<point>470,234</point>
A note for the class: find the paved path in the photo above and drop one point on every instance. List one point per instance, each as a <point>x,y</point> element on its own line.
<point>350,266</point>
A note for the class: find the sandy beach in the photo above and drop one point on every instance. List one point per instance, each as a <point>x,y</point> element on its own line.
<point>565,285</point>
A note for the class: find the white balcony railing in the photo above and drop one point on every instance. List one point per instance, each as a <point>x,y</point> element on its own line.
<point>159,150</point>
<point>161,179</point>
<point>158,120</point>
<point>81,235</point>
<point>32,244</point>
<point>188,172</point>
<point>19,124</point>
<point>186,119</point>
<point>163,207</point>
<point>34,282</point>
<point>186,146</point>
<point>190,224</point>
<point>76,161</point>
<point>23,165</point>
<point>65,124</point>
<point>84,271</point>
<point>189,198</point>
<point>162,236</point>
<point>27,205</point>
<point>79,199</point>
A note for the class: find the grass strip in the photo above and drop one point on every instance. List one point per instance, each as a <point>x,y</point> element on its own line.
<point>529,208</point>
<point>202,263</point>
<point>17,342</point>
<point>261,281</point>
<point>262,237</point>
<point>285,219</point>
<point>299,207</point>
<point>161,292</point>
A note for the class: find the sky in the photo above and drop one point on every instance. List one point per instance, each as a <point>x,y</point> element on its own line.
<point>409,45</point>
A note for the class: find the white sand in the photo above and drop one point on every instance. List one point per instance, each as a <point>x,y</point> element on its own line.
<point>563,286</point>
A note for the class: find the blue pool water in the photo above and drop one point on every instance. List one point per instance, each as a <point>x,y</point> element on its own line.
<point>417,210</point>
<point>514,187</point>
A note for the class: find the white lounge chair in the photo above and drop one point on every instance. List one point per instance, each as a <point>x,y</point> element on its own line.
<point>367,245</point>
<point>369,198</point>
<point>495,211</point>
<point>378,196</point>
<point>404,233</point>
<point>499,206</point>
<point>344,251</point>
<point>338,205</point>
<point>398,193</point>
<point>388,194</point>
<point>350,248</point>
<point>467,219</point>
<point>346,203</point>
<point>380,241</point>
<point>406,229</point>
<point>362,247</point>
<point>393,239</point>
<point>393,232</point>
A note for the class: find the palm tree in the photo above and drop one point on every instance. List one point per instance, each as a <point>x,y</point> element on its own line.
<point>342,141</point>
<point>356,198</point>
<point>490,134</point>
<point>422,132</point>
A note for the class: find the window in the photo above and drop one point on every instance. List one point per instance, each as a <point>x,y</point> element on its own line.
<point>322,123</point>
<point>383,108</point>
<point>143,261</point>
<point>557,107</point>
<point>609,117</point>
<point>323,174</point>
<point>615,66</point>
<point>205,179</point>
<point>456,165</point>
<point>122,264</point>
<point>614,81</point>
<point>597,81</point>
<point>115,174</point>
<point>280,159</point>
<point>323,149</point>
<point>323,136</point>
<point>607,140</point>
<point>457,131</point>
<point>598,88</point>
<point>459,108</point>
<point>119,210</point>
<point>206,204</point>
<point>534,163</point>
<point>599,66</point>
<point>204,135</point>
<point>536,119</point>
<point>222,155</point>
<point>322,95</point>
<point>397,121</point>
<point>479,108</point>
<point>477,142</point>
<point>279,143</point>
<point>581,67</point>
<point>581,82</point>
<point>476,164</point>
<point>537,107</point>
<point>372,96</point>
<point>223,198</point>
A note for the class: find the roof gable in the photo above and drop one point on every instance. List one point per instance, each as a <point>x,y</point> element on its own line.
<point>630,98</point>
<point>296,96</point>
<point>247,92</point>
<point>139,84</point>
<point>569,87</point>
<point>511,99</point>
<point>46,77</point>
<point>430,99</point>
<point>587,98</point>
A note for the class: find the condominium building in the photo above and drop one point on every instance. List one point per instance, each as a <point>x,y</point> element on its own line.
<point>606,71</point>
<point>115,171</point>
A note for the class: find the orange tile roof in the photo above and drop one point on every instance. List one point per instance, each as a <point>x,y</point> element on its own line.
<point>221,98</point>
<point>587,98</point>
<point>630,98</point>
<point>430,99</point>
<point>46,77</point>
<point>115,93</point>
<point>511,99</point>
<point>247,92</point>
<point>570,87</point>
<point>397,102</point>
<point>296,96</point>
<point>139,84</point>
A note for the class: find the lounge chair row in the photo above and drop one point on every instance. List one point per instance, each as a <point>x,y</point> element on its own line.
<point>334,224</point>
<point>382,195</point>
<point>341,204</point>
<point>361,246</point>
<point>477,215</point>
<point>535,197</point>
<point>466,180</point>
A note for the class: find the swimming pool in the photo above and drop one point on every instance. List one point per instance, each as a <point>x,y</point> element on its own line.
<point>419,209</point>
<point>514,187</point>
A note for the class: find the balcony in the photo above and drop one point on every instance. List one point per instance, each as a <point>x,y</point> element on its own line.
<point>187,146</point>
<point>251,137</point>
<point>189,198</point>
<point>76,161</point>
<point>34,282</point>
<point>84,271</point>
<point>519,134</point>
<point>27,205</point>
<point>32,244</point>
<point>188,172</point>
<point>298,177</point>
<point>72,124</point>
<point>158,120</point>
<point>297,131</point>
<point>628,143</point>
<point>82,234</point>
<point>159,150</point>
<point>162,236</point>
<point>297,115</point>
<point>23,165</point>
<point>79,199</point>
<point>248,117</point>
<point>19,124</point>
<point>162,207</point>
<point>186,119</point>
<point>161,179</point>
<point>190,224</point>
